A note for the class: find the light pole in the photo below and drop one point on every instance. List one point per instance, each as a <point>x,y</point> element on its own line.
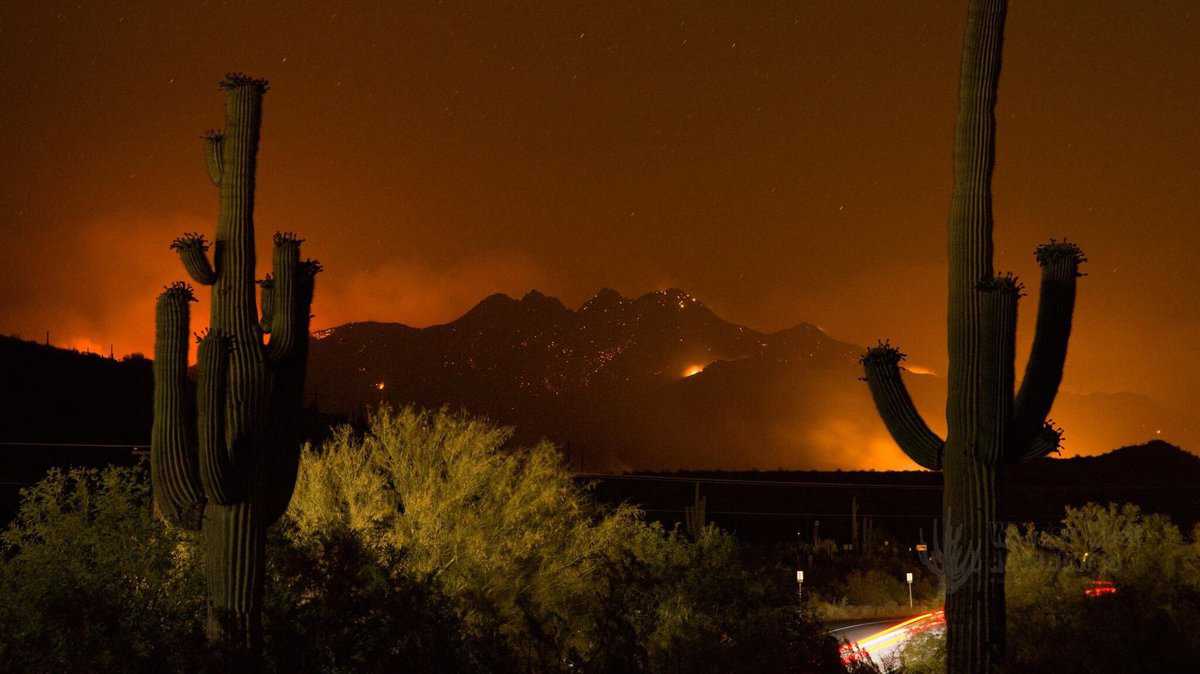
<point>800,584</point>
<point>908,577</point>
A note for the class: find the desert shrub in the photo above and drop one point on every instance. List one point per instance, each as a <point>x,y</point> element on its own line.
<point>1150,624</point>
<point>425,544</point>
<point>525,557</point>
<point>336,606</point>
<point>92,582</point>
<point>925,653</point>
<point>875,587</point>
<point>707,611</point>
<point>506,535</point>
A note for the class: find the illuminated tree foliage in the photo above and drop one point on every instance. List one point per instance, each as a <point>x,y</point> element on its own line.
<point>525,557</point>
<point>224,460</point>
<point>988,425</point>
<point>1147,622</point>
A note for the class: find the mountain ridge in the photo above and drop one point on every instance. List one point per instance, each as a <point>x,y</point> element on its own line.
<point>660,381</point>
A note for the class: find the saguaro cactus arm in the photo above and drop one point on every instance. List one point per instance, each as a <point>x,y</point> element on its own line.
<point>286,311</point>
<point>193,252</point>
<point>283,457</point>
<point>996,350</point>
<point>882,367</point>
<point>1046,441</point>
<point>1060,262</point>
<point>266,301</point>
<point>177,489</point>
<point>220,476</point>
<point>213,140</point>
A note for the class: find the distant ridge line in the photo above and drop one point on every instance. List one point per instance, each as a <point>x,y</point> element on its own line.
<point>762,483</point>
<point>850,485</point>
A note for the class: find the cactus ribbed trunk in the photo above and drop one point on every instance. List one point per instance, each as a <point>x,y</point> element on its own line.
<point>988,427</point>
<point>234,542</point>
<point>977,408</point>
<point>229,470</point>
<point>233,534</point>
<point>975,581</point>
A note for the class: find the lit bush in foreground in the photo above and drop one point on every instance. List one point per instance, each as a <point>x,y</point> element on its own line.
<point>524,556</point>
<point>424,544</point>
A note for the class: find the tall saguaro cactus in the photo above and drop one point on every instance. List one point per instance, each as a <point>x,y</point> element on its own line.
<point>224,461</point>
<point>988,426</point>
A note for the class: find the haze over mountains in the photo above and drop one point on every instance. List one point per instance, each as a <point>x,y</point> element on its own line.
<point>58,395</point>
<point>660,381</point>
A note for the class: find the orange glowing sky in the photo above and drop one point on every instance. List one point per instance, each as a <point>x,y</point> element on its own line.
<point>782,161</point>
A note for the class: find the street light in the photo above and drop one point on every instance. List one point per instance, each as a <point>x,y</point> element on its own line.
<point>800,584</point>
<point>908,577</point>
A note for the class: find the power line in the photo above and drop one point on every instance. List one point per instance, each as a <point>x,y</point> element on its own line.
<point>759,483</point>
<point>755,513</point>
<point>73,444</point>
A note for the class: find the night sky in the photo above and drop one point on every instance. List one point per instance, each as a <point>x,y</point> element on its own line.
<point>784,162</point>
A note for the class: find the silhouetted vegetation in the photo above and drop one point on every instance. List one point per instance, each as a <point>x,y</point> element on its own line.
<point>426,543</point>
<point>62,395</point>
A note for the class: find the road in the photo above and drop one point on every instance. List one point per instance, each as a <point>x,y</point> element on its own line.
<point>882,639</point>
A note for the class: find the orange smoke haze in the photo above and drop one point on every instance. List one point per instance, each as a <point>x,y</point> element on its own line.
<point>841,443</point>
<point>422,294</point>
<point>783,162</point>
<point>94,322</point>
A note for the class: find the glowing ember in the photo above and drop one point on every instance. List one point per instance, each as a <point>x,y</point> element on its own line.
<point>693,370</point>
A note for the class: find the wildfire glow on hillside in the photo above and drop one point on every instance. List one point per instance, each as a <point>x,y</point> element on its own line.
<point>693,370</point>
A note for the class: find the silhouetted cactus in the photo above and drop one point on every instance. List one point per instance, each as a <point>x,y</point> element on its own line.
<point>225,462</point>
<point>695,516</point>
<point>988,427</point>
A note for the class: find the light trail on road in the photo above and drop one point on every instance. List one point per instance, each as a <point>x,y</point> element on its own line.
<point>883,644</point>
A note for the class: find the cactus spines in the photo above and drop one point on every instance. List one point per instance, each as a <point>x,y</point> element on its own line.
<point>988,425</point>
<point>243,81</point>
<point>224,454</point>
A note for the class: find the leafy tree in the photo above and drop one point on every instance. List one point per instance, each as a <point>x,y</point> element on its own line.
<point>524,556</point>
